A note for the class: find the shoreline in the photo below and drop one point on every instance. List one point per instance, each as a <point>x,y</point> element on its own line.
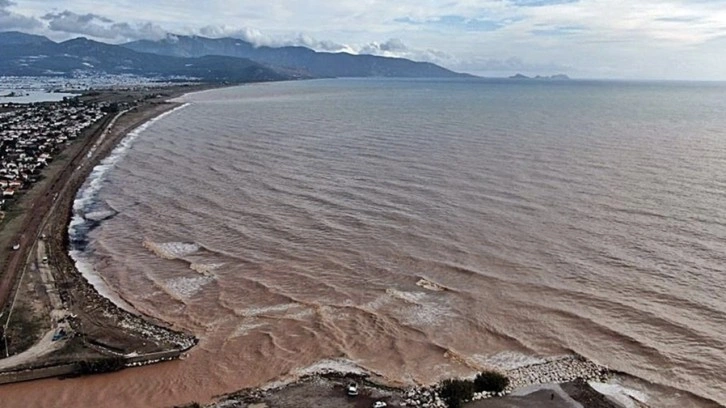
<point>572,379</point>
<point>100,146</point>
<point>88,192</point>
<point>138,320</point>
<point>101,336</point>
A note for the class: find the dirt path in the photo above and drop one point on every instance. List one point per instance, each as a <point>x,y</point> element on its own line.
<point>45,346</point>
<point>37,221</point>
<point>58,314</point>
<point>92,326</point>
<point>36,214</point>
<point>41,263</point>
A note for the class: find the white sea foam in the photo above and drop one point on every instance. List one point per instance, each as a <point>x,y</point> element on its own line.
<point>622,395</point>
<point>425,315</point>
<point>377,303</point>
<point>418,308</point>
<point>299,315</point>
<point>409,297</point>
<point>247,326</point>
<point>98,216</point>
<point>253,316</point>
<point>264,310</point>
<point>337,365</point>
<point>171,250</point>
<point>508,360</point>
<point>87,195</point>
<point>185,288</point>
<point>429,285</point>
<point>205,269</point>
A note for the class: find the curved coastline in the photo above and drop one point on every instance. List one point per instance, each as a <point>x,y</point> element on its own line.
<point>91,277</point>
<point>83,186</point>
<point>85,203</point>
<point>100,334</point>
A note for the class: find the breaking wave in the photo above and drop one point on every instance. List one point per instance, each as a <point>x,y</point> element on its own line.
<point>184,288</point>
<point>89,212</point>
<point>484,237</point>
<point>171,250</point>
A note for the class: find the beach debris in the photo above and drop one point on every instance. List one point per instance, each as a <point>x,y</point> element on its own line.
<point>545,371</point>
<point>430,285</point>
<point>352,389</point>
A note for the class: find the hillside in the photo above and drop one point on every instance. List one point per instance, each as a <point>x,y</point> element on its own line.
<point>29,55</point>
<point>319,64</point>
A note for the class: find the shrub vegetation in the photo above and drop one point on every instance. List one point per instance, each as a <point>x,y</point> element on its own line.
<point>454,392</point>
<point>106,365</point>
<point>490,381</point>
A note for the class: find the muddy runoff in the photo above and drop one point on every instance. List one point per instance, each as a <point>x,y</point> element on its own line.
<point>88,334</point>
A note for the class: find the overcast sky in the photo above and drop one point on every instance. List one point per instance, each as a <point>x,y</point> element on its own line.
<point>655,39</point>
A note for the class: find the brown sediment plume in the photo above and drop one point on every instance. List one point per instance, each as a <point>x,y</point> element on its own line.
<point>100,331</point>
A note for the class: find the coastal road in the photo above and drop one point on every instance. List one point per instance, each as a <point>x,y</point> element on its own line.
<point>37,219</point>
<point>38,209</point>
<point>35,256</point>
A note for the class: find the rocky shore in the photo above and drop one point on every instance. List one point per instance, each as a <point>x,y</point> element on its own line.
<point>327,388</point>
<point>560,370</point>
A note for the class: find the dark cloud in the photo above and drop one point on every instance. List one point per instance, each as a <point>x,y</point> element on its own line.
<point>394,45</point>
<point>14,21</point>
<point>94,25</point>
<point>70,17</point>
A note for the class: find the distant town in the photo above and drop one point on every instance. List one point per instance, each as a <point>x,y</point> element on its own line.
<point>83,81</point>
<point>31,135</point>
<point>39,116</point>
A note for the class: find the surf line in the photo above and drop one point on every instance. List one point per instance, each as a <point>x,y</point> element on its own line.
<point>86,197</point>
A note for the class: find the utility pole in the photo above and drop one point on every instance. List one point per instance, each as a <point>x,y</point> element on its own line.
<point>5,339</point>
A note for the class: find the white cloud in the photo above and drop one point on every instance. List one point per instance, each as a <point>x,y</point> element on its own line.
<point>636,38</point>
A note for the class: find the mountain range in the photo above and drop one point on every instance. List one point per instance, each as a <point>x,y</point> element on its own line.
<point>209,59</point>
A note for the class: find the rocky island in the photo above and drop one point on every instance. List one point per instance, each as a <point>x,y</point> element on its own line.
<point>556,77</point>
